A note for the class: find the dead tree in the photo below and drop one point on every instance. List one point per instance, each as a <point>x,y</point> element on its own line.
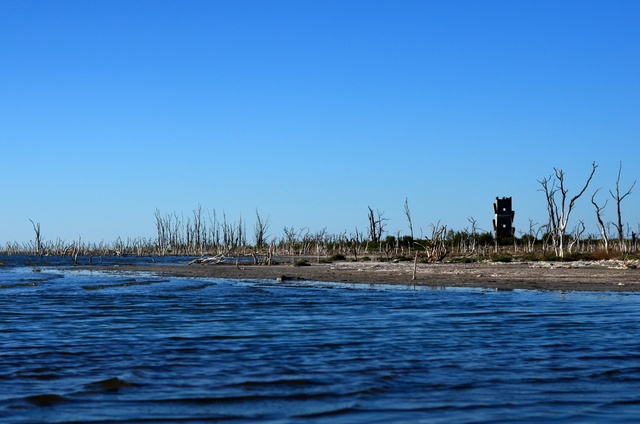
<point>199,231</point>
<point>601,226</point>
<point>290,240</point>
<point>531,237</point>
<point>559,214</point>
<point>233,234</point>
<point>163,238</point>
<point>473,236</point>
<point>214,229</point>
<point>355,241</point>
<point>376,225</point>
<point>407,213</point>
<point>436,247</point>
<point>38,241</point>
<point>619,198</point>
<point>260,230</point>
<point>576,235</point>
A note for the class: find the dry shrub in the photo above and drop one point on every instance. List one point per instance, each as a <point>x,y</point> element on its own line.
<point>603,255</point>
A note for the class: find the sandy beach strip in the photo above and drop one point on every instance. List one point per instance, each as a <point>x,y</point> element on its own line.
<point>607,276</point>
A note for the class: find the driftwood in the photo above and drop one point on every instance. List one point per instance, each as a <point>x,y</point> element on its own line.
<point>218,259</point>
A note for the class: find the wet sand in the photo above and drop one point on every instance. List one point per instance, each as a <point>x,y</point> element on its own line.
<point>613,276</point>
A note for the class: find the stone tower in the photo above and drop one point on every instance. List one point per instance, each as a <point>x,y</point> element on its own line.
<point>503,221</point>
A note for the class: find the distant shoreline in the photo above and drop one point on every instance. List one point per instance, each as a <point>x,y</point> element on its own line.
<point>600,276</point>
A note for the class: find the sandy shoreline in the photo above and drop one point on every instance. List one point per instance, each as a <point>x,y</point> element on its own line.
<point>613,276</point>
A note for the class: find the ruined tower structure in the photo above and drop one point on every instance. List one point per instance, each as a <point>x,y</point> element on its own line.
<point>503,221</point>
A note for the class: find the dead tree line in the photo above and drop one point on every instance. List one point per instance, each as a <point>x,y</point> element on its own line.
<point>205,232</point>
<point>195,235</point>
<point>560,206</point>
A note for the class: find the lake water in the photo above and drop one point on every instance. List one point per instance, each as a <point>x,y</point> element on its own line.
<point>97,347</point>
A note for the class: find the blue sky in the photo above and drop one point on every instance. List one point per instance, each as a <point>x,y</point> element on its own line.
<point>310,111</point>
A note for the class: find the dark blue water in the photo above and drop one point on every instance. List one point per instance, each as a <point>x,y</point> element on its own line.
<point>91,347</point>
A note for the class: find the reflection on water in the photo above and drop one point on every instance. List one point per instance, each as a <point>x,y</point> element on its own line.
<point>83,346</point>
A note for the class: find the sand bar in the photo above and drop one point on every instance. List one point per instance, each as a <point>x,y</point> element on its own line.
<point>613,276</point>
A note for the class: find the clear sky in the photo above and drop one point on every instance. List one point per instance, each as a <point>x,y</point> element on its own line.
<point>310,111</point>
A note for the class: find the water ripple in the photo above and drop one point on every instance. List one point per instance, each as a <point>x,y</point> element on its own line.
<point>103,347</point>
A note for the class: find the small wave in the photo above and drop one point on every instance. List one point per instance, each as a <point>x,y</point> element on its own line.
<point>619,376</point>
<point>609,357</point>
<point>127,283</point>
<point>13,286</point>
<point>464,386</point>
<point>97,287</point>
<point>284,382</point>
<point>374,390</point>
<point>551,379</point>
<point>216,400</point>
<point>198,287</point>
<point>230,337</point>
<point>111,384</point>
<point>626,402</point>
<point>340,345</point>
<point>251,398</point>
<point>46,399</point>
<point>329,413</point>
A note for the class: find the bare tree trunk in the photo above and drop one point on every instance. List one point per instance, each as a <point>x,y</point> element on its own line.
<point>550,192</point>
<point>376,225</point>
<point>38,241</point>
<point>373,234</point>
<point>601,226</point>
<point>474,232</point>
<point>619,198</point>
<point>407,213</point>
<point>260,230</point>
<point>577,234</point>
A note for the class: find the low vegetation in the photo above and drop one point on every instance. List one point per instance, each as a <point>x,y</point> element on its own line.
<point>302,247</point>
